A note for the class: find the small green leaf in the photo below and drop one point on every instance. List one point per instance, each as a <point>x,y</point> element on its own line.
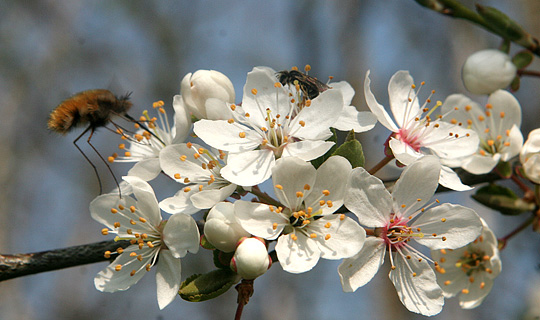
<point>352,151</point>
<point>522,59</point>
<point>202,287</point>
<point>206,244</point>
<point>504,169</point>
<point>515,84</point>
<point>502,199</point>
<point>320,160</point>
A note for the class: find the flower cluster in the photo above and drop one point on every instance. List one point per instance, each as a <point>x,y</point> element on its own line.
<point>322,203</point>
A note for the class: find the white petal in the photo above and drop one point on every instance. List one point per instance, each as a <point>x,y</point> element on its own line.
<point>297,256</point>
<point>110,280</point>
<point>323,112</point>
<point>182,120</point>
<point>332,176</point>
<point>400,91</point>
<point>100,209</point>
<point>217,109</point>
<point>376,108</point>
<point>403,151</point>
<point>418,181</point>
<point>352,119</point>
<point>258,220</point>
<point>515,139</point>
<point>356,271</point>
<point>346,90</point>
<point>368,199</point>
<point>420,294</point>
<point>168,278</point>
<point>179,203</point>
<point>346,236</point>
<point>222,229</point>
<point>223,135</point>
<point>478,164</point>
<point>292,174</point>
<point>504,101</point>
<point>451,180</point>
<point>461,226</point>
<point>445,146</point>
<point>181,235</point>
<point>189,168</point>
<point>208,198</point>
<point>249,168</point>
<point>307,150</point>
<point>147,204</point>
<point>146,169</point>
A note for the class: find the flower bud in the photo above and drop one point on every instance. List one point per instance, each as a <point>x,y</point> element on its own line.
<point>221,228</point>
<point>202,85</point>
<point>486,71</point>
<point>251,258</point>
<point>530,156</point>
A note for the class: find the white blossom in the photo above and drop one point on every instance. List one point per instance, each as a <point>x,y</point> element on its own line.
<point>530,156</point>
<point>222,229</point>
<point>251,258</point>
<point>399,219</point>
<point>486,71</point>
<point>154,241</point>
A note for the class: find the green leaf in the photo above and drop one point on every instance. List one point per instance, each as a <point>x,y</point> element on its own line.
<point>515,84</point>
<point>504,169</point>
<point>352,151</point>
<point>522,59</point>
<point>502,199</point>
<point>202,287</point>
<point>206,244</point>
<point>320,160</point>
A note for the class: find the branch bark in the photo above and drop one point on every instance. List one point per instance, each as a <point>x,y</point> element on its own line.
<point>18,265</point>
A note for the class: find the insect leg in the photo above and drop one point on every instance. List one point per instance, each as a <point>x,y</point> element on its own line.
<point>84,155</point>
<point>105,162</point>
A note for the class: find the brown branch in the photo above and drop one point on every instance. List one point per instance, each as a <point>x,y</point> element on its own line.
<point>18,265</point>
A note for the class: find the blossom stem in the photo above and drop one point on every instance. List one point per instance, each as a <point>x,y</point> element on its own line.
<point>521,227</point>
<point>528,73</point>
<point>520,184</point>
<point>381,164</point>
<point>264,197</point>
<point>245,291</point>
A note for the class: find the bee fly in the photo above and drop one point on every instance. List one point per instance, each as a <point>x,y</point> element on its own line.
<point>310,86</point>
<point>94,108</point>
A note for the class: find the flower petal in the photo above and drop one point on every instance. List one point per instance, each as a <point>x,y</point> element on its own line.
<point>147,204</point>
<point>179,203</point>
<point>297,256</point>
<point>258,220</point>
<point>181,235</point>
<point>419,293</point>
<point>337,238</point>
<point>503,101</point>
<point>403,151</point>
<point>352,119</point>
<point>377,109</point>
<point>168,278</point>
<point>457,224</point>
<point>358,270</point>
<point>417,184</point>
<point>478,164</point>
<point>249,168</point>
<point>307,150</point>
<point>208,198</point>
<point>292,174</point>
<point>400,91</point>
<point>223,135</point>
<point>330,177</point>
<point>368,199</point>
<point>182,120</point>
<point>146,169</point>
<point>323,112</point>
<point>171,161</point>
<point>451,180</point>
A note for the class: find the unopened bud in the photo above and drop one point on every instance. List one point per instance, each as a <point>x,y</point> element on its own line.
<point>251,258</point>
<point>222,229</point>
<point>486,71</point>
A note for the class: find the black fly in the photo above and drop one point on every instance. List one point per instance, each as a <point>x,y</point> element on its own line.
<point>310,86</point>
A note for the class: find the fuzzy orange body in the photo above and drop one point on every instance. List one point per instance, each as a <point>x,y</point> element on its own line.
<point>91,107</point>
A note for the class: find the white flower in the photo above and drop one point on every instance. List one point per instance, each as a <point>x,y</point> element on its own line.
<point>203,88</point>
<point>530,156</point>
<point>200,170</point>
<point>469,271</point>
<point>145,147</point>
<point>305,227</point>
<point>487,71</point>
<point>497,126</point>
<point>251,258</point>
<point>415,135</point>
<point>222,229</point>
<point>270,125</point>
<point>399,218</point>
<point>152,239</point>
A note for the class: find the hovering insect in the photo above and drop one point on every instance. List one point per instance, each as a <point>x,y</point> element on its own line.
<point>310,86</point>
<point>94,108</point>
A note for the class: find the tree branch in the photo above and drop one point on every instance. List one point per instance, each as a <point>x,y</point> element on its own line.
<point>18,265</point>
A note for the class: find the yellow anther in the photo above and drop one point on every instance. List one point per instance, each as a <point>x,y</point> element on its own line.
<point>342,217</point>
<point>313,236</point>
<point>414,274</point>
<point>187,189</point>
<point>482,285</point>
<point>327,236</point>
<point>443,219</point>
<point>104,231</point>
<point>189,145</point>
<point>299,194</point>
<point>133,254</point>
<point>132,222</point>
<point>141,219</point>
<point>329,203</point>
<point>307,187</point>
<point>110,159</point>
<point>150,244</point>
<point>481,118</point>
<point>326,192</point>
<point>242,134</point>
<point>129,231</point>
<point>148,267</point>
<point>490,142</point>
<point>274,226</point>
<point>278,186</point>
<point>302,123</point>
<point>107,254</point>
<point>294,237</point>
<point>120,250</point>
<point>254,91</point>
<point>132,209</point>
<point>196,155</point>
<point>113,210</point>
<point>118,267</point>
<point>465,291</point>
<point>403,206</point>
<point>447,282</point>
<point>117,224</point>
<point>177,176</point>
